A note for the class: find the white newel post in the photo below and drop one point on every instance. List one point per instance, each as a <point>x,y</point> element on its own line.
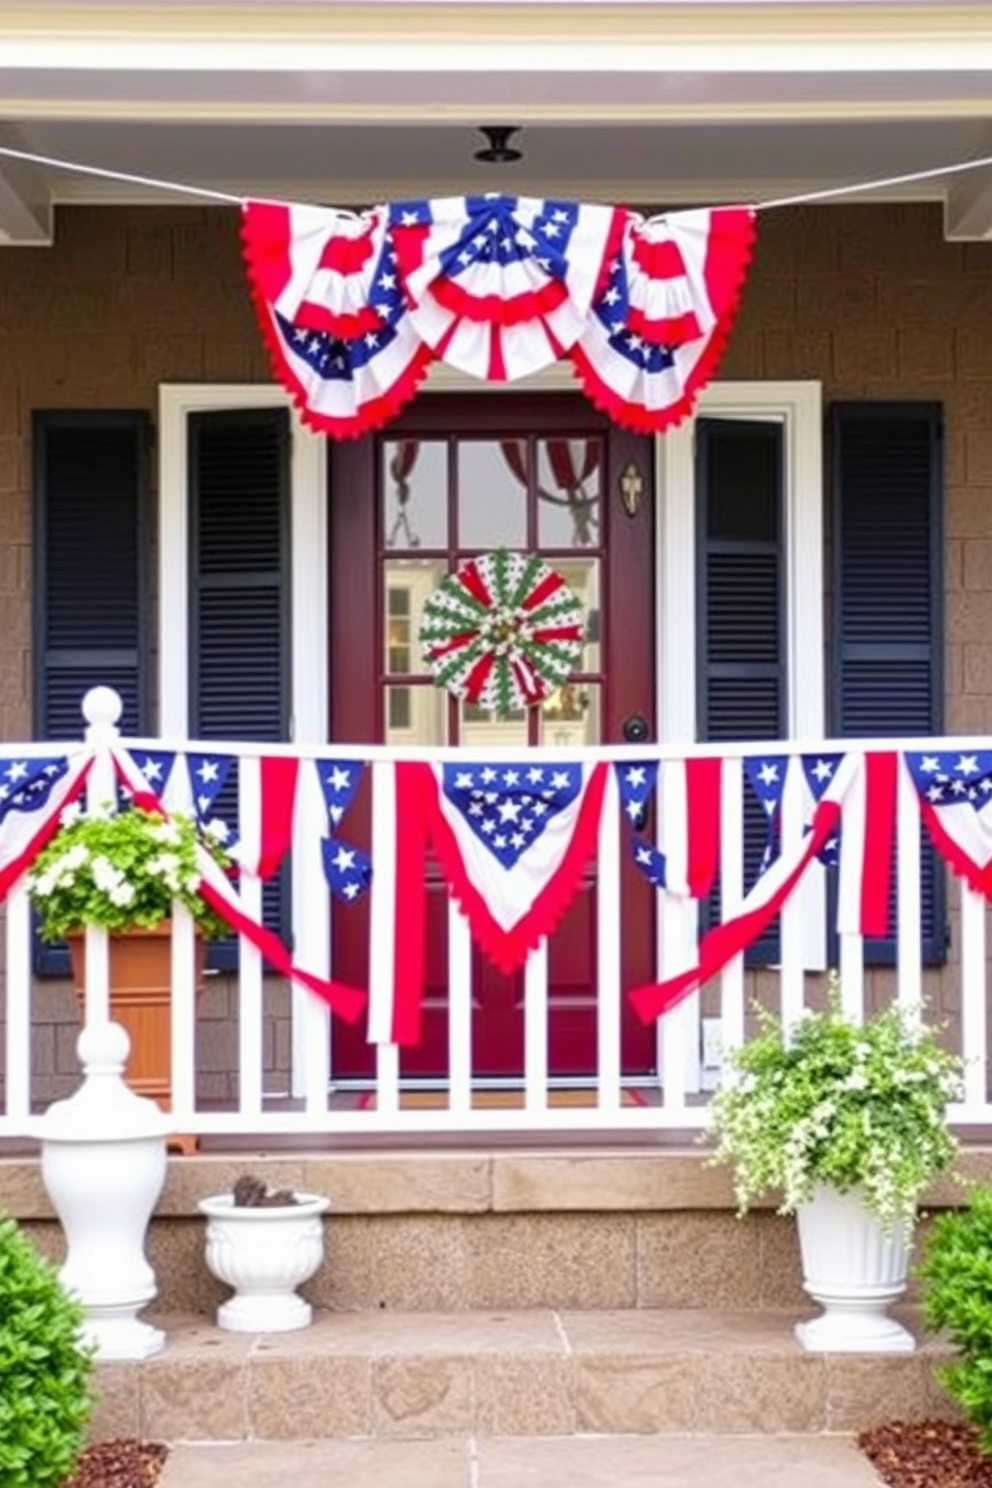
<point>855,1270</point>
<point>103,1162</point>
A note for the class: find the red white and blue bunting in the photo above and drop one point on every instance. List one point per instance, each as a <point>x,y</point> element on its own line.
<point>355,307</point>
<point>513,842</point>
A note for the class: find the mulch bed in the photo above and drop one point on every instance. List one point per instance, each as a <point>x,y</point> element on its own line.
<point>926,1454</point>
<point>119,1464</point>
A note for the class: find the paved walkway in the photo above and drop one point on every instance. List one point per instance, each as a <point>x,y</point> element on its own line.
<point>529,1462</point>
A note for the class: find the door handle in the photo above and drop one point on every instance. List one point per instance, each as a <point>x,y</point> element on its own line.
<point>635,730</point>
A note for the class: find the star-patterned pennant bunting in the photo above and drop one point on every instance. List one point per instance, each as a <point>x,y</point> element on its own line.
<point>682,856</point>
<point>207,777</point>
<point>955,793</point>
<point>513,842</point>
<point>34,790</point>
<point>348,869</point>
<point>156,767</point>
<point>766,776</point>
<point>819,770</point>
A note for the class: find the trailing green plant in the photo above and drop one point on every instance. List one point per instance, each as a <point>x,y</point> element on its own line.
<point>838,1103</point>
<point>123,871</point>
<point>956,1272</point>
<point>45,1399</point>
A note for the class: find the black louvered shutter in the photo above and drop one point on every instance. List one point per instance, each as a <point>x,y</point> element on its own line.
<point>741,606</point>
<point>90,512</point>
<point>240,646</point>
<point>90,542</point>
<point>887,461</point>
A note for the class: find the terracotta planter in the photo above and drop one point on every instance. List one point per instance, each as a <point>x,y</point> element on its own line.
<point>141,1001</point>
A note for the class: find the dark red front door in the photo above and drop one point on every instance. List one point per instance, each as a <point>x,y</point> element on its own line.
<point>456,476</point>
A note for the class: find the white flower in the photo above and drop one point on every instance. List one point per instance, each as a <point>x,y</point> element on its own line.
<point>70,813</point>
<point>105,875</point>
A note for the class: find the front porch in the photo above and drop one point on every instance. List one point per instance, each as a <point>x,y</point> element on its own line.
<point>549,1258</point>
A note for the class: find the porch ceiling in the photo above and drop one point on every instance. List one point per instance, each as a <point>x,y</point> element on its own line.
<point>638,100</point>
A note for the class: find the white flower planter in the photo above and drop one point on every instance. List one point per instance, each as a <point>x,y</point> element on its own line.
<point>855,1270</point>
<point>264,1254</point>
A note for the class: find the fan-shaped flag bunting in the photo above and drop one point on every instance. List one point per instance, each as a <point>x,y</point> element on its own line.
<point>658,329</point>
<point>500,286</point>
<point>328,300</point>
<point>355,306</point>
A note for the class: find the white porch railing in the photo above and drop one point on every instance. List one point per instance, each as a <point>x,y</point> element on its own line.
<point>305,1099</point>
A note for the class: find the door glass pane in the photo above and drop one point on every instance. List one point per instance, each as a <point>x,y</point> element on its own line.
<point>582,575</point>
<point>415,715</point>
<point>414,493</point>
<point>492,494</point>
<point>407,584</point>
<point>569,479</point>
<point>482,730</point>
<point>571,715</point>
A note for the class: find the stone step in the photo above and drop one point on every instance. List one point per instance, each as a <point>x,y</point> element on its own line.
<point>529,1462</point>
<point>537,1373</point>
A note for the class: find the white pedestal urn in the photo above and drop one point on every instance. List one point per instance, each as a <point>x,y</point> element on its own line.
<point>103,1163</point>
<point>855,1269</point>
<point>264,1253</point>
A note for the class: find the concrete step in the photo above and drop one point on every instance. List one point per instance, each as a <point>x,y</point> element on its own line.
<point>529,1462</point>
<point>396,1376</point>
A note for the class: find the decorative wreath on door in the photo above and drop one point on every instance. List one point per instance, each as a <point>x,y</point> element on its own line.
<point>503,631</point>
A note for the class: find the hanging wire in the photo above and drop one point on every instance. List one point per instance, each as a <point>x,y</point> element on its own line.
<point>184,188</point>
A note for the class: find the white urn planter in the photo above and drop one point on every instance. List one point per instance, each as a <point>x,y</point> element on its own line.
<point>103,1163</point>
<point>264,1253</point>
<point>855,1269</point>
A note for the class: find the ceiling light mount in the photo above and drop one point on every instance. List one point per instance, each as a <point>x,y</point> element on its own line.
<point>499,151</point>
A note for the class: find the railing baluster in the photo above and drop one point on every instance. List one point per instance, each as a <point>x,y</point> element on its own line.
<point>536,1029</point>
<point>792,989</point>
<point>311,1054</point>
<point>18,1005</point>
<point>731,895</point>
<point>250,990</point>
<point>459,1010</point>
<point>974,1014</point>
<point>679,918</point>
<point>608,949</point>
<point>387,1078</point>
<point>101,796</point>
<point>909,954</point>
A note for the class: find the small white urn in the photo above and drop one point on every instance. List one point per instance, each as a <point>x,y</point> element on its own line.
<point>103,1163</point>
<point>264,1253</point>
<point>855,1269</point>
